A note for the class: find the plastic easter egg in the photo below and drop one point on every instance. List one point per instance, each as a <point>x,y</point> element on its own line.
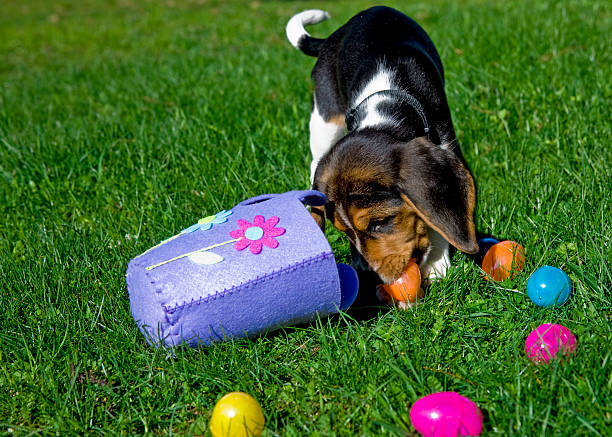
<point>407,288</point>
<point>484,244</point>
<point>549,286</point>
<point>446,414</point>
<point>503,259</point>
<point>237,414</point>
<point>549,341</point>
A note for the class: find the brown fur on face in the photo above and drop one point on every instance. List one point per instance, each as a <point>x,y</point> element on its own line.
<point>386,231</point>
<point>386,234</point>
<point>388,253</point>
<point>373,197</point>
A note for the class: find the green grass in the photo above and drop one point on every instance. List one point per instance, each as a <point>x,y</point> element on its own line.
<point>123,122</point>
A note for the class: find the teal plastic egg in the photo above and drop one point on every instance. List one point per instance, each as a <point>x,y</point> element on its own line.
<point>549,286</point>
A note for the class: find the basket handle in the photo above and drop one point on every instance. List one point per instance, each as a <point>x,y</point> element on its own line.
<point>307,197</point>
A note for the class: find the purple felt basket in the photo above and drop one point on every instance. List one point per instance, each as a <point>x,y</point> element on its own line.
<point>262,265</point>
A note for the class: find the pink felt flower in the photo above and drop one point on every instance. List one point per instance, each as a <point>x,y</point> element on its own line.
<point>257,234</point>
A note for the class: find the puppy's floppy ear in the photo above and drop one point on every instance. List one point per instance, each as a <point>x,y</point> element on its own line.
<point>438,185</point>
<point>318,212</point>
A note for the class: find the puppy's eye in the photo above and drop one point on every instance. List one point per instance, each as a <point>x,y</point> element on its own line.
<point>380,226</point>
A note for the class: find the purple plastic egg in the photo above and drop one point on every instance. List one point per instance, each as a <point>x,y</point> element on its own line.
<point>546,340</point>
<point>446,414</point>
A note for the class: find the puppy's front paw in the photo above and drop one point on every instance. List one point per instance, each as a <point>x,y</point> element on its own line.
<point>437,260</point>
<point>405,305</point>
<point>431,273</point>
<point>436,270</point>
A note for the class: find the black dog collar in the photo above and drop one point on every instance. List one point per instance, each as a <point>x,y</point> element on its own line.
<point>356,114</point>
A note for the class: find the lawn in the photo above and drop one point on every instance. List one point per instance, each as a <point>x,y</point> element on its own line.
<point>123,122</point>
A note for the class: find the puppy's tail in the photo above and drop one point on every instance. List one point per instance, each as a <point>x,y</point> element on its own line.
<point>297,35</point>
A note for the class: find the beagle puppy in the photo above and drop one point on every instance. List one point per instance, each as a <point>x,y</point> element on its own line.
<point>383,146</point>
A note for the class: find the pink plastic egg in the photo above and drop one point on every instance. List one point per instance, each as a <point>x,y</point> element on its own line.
<point>446,414</point>
<point>546,340</point>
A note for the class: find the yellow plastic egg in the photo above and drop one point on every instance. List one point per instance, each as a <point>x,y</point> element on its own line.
<point>237,414</point>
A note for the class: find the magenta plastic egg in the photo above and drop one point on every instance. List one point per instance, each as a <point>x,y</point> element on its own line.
<point>547,341</point>
<point>446,414</point>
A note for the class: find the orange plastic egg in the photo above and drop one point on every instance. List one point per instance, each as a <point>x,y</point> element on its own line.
<point>407,288</point>
<point>503,259</point>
